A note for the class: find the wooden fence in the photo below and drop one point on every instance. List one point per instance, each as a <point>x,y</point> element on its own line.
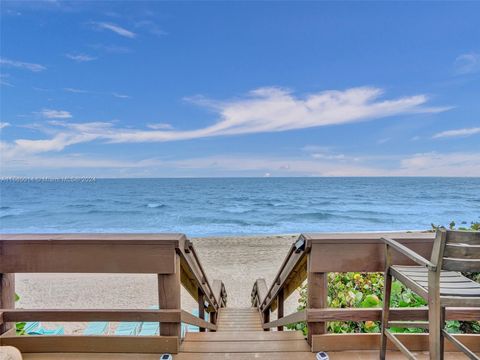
<point>171,256</point>
<point>312,257</point>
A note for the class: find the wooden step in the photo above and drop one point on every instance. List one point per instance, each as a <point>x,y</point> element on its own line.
<point>244,346</point>
<point>239,320</point>
<point>245,336</point>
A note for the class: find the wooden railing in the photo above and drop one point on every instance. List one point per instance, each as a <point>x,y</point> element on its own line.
<point>171,256</point>
<point>312,257</point>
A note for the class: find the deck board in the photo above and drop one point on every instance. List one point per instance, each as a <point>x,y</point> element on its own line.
<point>345,355</point>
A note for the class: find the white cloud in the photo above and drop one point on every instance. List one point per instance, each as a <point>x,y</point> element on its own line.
<point>55,114</point>
<point>160,126</point>
<point>22,65</point>
<point>3,80</point>
<point>467,63</point>
<point>116,29</point>
<point>80,57</point>
<point>151,27</point>
<point>4,125</point>
<point>275,109</point>
<point>264,110</point>
<point>457,133</point>
<point>76,91</point>
<point>120,96</point>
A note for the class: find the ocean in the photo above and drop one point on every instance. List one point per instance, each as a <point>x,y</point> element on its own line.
<point>237,206</point>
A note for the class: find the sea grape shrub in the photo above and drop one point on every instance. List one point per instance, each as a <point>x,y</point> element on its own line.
<point>19,326</point>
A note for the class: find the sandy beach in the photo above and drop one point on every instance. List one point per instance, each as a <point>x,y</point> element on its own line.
<point>238,261</point>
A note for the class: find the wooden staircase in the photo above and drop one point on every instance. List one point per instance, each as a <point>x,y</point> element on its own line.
<point>240,336</point>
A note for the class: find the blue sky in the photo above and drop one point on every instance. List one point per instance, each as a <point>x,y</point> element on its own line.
<point>146,89</point>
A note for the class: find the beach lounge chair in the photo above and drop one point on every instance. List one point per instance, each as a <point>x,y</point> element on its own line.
<point>439,282</point>
<point>150,328</point>
<point>96,328</point>
<point>128,328</point>
<point>34,328</point>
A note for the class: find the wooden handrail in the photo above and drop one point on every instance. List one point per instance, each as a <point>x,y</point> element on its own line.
<point>291,275</point>
<point>259,292</point>
<point>219,293</point>
<point>287,320</point>
<point>164,316</point>
<point>195,277</point>
<point>396,314</point>
<point>196,321</point>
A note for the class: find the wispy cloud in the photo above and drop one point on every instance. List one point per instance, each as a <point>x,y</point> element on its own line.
<point>120,96</point>
<point>467,63</point>
<point>83,91</point>
<point>4,125</point>
<point>116,29</point>
<point>22,65</point>
<point>275,110</point>
<point>76,91</point>
<point>264,110</point>
<point>3,80</point>
<point>55,114</point>
<point>151,27</point>
<point>160,126</point>
<point>112,49</point>
<point>383,141</point>
<point>80,57</point>
<point>457,133</point>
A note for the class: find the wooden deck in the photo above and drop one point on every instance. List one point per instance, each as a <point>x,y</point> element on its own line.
<point>344,355</point>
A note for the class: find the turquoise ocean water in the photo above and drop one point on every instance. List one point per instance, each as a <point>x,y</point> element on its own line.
<point>237,206</point>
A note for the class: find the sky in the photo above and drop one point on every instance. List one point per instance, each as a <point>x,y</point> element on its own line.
<point>200,89</point>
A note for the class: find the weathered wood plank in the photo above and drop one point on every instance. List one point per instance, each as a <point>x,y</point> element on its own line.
<point>463,237</point>
<point>461,251</point>
<point>414,342</point>
<point>76,257</point>
<point>396,314</point>
<point>93,238</point>
<point>164,316</point>
<point>169,297</point>
<point>196,321</point>
<point>350,255</point>
<point>317,293</point>
<point>286,320</point>
<point>246,336</point>
<point>180,356</point>
<point>244,346</point>
<point>464,265</point>
<point>89,344</point>
<point>7,297</point>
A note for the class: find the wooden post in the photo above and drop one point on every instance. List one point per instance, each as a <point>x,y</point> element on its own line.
<point>316,298</point>
<point>7,297</point>
<point>201,307</point>
<point>213,317</point>
<point>280,301</point>
<point>169,297</point>
<point>266,317</point>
